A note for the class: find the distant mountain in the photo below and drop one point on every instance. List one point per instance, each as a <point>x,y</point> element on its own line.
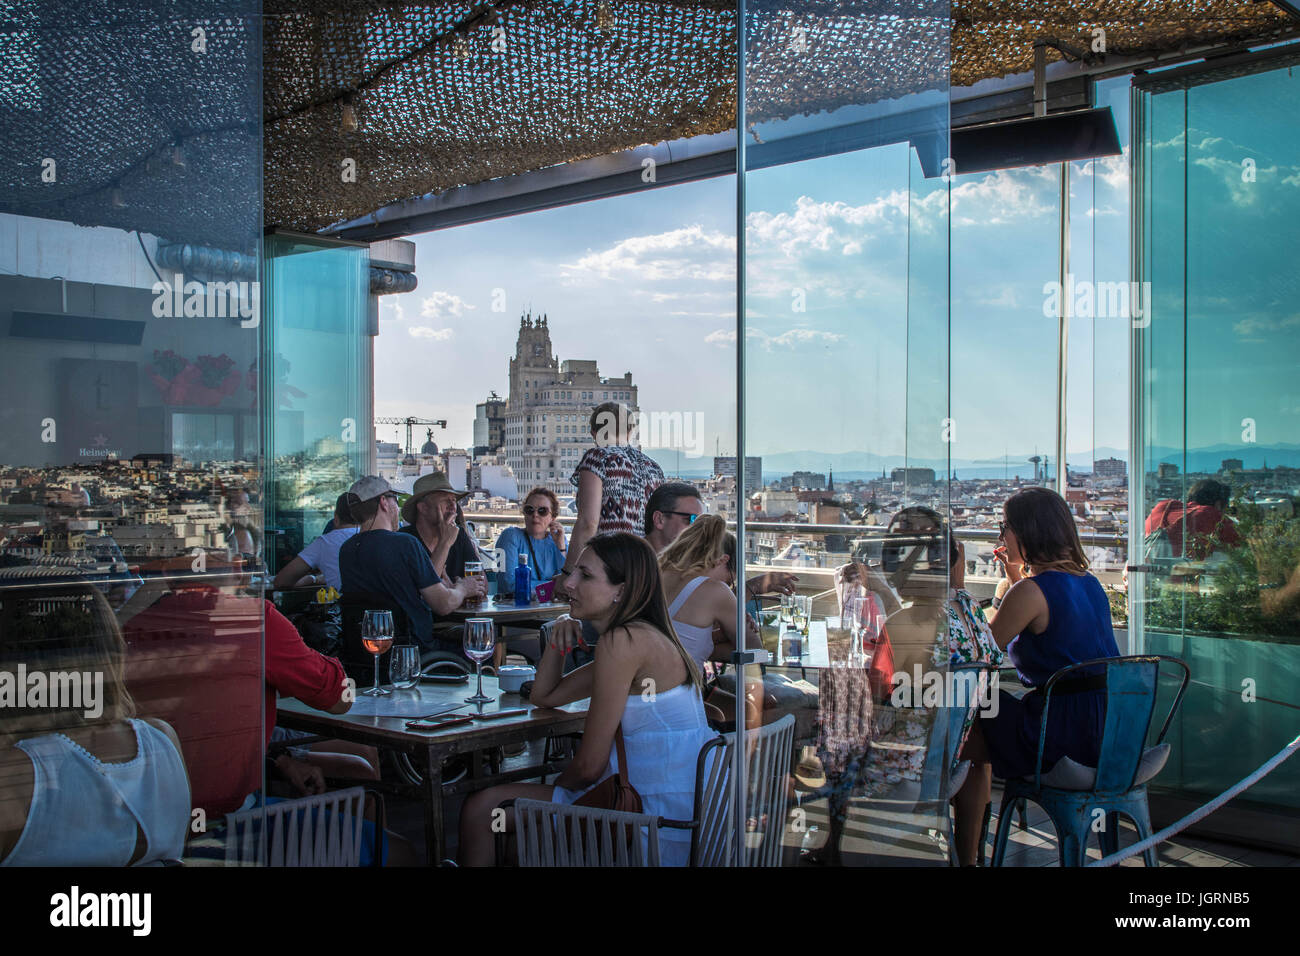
<point>863,466</point>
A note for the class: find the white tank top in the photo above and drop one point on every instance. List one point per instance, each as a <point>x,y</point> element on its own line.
<point>698,641</point>
<point>85,811</point>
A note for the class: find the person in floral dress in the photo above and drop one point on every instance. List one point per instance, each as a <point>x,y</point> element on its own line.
<point>614,481</point>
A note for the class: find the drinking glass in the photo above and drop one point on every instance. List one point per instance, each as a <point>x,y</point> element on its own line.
<point>404,666</point>
<point>797,615</point>
<point>803,603</point>
<point>479,639</point>
<point>787,609</point>
<point>377,638</point>
<point>473,569</point>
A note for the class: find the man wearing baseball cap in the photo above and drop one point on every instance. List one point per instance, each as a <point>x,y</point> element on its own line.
<point>380,560</point>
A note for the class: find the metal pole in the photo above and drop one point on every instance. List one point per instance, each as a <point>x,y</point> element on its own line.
<point>738,752</point>
<point>1063,346</point>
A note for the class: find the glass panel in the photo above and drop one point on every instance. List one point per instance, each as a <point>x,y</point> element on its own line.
<point>1221,420</point>
<point>129,456</point>
<point>1101,322</point>
<point>845,398</point>
<point>319,423</point>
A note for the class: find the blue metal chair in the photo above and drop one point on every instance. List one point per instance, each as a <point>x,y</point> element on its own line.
<point>1072,793</point>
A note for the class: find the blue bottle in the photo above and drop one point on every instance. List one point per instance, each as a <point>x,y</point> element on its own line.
<point>523,583</point>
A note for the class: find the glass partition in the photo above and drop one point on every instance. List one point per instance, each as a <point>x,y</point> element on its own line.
<point>1215,387</point>
<point>130,458</point>
<point>845,332</point>
<point>318,382</point>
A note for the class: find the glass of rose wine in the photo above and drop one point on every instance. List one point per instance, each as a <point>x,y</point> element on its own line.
<point>479,639</point>
<point>377,638</point>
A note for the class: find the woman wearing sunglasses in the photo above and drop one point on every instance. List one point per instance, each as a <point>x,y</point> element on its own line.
<point>541,539</point>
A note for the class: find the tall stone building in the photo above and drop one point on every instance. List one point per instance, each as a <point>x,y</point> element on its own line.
<point>549,408</point>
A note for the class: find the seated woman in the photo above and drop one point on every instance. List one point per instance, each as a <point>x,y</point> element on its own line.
<point>699,575</point>
<point>318,563</point>
<point>541,539</point>
<point>642,679</point>
<point>1054,615</point>
<point>938,625</point>
<point>84,783</point>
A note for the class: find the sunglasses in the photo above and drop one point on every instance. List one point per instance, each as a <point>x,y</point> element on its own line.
<point>391,495</point>
<point>690,518</point>
<point>1002,529</point>
<point>529,510</point>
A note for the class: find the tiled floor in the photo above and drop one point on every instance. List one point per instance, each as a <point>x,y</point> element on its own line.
<point>1036,846</point>
<point>873,835</point>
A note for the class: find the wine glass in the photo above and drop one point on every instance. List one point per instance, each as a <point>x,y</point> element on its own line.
<point>787,609</point>
<point>799,614</point>
<point>805,602</point>
<point>377,637</point>
<point>404,666</point>
<point>479,639</point>
<point>855,612</point>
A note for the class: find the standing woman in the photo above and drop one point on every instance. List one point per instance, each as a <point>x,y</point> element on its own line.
<point>614,480</point>
<point>1055,614</point>
<point>541,538</point>
<point>641,682</point>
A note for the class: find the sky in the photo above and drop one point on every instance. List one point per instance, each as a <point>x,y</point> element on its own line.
<point>646,283</point>
<point>848,271</point>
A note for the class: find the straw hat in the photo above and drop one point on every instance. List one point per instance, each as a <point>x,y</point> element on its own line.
<point>809,774</point>
<point>424,486</point>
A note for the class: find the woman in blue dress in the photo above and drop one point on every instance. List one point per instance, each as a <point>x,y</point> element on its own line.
<point>1054,615</point>
<point>541,538</point>
<point>641,679</point>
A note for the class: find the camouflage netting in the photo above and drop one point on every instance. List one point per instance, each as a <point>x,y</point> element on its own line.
<point>557,88</point>
<point>93,95</point>
<point>105,87</point>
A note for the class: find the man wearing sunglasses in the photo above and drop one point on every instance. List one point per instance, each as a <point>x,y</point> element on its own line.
<point>672,508</point>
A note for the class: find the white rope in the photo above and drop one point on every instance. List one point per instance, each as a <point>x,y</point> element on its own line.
<point>1201,812</point>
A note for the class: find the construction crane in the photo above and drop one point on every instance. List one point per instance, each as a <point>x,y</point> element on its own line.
<point>408,422</point>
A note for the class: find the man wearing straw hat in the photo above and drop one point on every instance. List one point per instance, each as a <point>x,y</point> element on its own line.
<point>430,515</point>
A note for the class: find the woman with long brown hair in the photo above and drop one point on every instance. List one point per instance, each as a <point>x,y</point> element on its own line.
<point>641,680</point>
<point>1054,615</point>
<point>85,783</point>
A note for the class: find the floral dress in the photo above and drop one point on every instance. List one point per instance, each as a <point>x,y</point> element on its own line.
<point>903,733</point>
<point>628,477</point>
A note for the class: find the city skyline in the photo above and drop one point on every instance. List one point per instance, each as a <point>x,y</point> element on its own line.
<point>828,303</point>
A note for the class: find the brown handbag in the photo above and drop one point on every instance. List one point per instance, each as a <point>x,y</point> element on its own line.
<point>615,792</point>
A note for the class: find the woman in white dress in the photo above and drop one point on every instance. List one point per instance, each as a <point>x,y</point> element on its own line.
<point>641,678</point>
<point>82,782</point>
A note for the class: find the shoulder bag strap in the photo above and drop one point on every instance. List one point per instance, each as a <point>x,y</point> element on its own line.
<point>531,553</point>
<point>622,756</point>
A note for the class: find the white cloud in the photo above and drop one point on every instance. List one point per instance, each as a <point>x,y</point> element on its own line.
<point>689,253</point>
<point>390,309</point>
<point>786,340</point>
<point>1005,196</point>
<point>424,332</point>
<point>444,305</point>
<point>1111,170</point>
<point>1257,328</point>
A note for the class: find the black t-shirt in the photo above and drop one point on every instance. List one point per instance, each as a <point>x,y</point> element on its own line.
<point>462,550</point>
<point>385,562</point>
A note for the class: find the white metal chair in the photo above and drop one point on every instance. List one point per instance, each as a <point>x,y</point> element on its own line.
<point>770,749</point>
<point>323,830</point>
<point>554,834</point>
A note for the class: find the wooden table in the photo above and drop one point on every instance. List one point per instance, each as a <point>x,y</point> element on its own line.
<point>382,723</point>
